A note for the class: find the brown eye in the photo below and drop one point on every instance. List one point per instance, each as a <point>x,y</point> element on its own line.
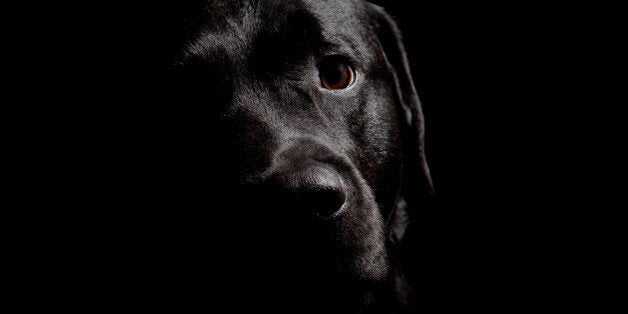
<point>336,73</point>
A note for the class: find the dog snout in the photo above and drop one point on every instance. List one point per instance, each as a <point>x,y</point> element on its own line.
<point>315,187</point>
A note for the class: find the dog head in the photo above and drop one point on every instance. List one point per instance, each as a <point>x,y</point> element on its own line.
<point>314,130</point>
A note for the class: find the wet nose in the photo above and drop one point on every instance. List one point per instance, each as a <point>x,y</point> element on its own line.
<point>316,187</point>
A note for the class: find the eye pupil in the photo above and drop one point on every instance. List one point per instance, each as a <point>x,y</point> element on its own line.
<point>336,73</point>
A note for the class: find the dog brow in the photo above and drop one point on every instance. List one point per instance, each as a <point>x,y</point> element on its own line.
<point>264,38</point>
<point>297,35</point>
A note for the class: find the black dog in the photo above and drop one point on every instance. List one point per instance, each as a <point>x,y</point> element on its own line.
<point>312,117</point>
<point>316,123</point>
<point>292,163</point>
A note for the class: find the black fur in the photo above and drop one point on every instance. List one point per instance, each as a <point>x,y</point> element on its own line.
<point>250,70</point>
<point>243,123</point>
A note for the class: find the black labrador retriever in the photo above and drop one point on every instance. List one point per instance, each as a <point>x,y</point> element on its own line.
<point>310,139</point>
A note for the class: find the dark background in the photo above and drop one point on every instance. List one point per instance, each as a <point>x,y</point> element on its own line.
<point>509,136</point>
<point>512,124</point>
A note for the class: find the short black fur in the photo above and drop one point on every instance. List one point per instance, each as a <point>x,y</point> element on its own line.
<point>269,192</point>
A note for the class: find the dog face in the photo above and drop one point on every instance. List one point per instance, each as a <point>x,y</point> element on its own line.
<point>315,134</point>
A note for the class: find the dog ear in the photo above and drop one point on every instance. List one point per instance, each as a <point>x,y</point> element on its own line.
<point>416,175</point>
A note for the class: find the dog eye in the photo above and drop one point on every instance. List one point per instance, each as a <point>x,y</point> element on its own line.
<point>336,73</point>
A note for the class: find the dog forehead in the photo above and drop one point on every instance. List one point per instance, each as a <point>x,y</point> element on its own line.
<point>338,16</point>
<point>227,27</point>
<point>345,25</point>
<point>242,12</point>
<point>231,28</point>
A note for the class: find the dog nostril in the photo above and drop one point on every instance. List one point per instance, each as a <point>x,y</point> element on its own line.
<point>318,189</point>
<point>324,201</point>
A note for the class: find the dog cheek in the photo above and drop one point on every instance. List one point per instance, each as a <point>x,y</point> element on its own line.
<point>378,154</point>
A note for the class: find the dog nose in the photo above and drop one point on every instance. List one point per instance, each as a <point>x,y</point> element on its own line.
<point>317,188</point>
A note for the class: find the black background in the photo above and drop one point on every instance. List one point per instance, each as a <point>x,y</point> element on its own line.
<point>508,139</point>
<point>485,245</point>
